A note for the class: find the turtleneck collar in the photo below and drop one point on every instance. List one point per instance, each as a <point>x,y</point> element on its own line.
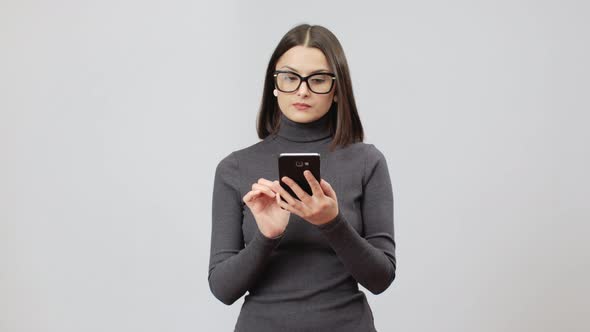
<point>304,132</point>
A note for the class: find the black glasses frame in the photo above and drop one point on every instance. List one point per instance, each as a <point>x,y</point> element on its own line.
<point>303,79</point>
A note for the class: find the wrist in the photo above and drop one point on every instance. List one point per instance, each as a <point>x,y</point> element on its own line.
<point>330,221</point>
<point>272,235</point>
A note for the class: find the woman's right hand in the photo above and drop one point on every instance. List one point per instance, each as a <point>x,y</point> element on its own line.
<point>263,202</point>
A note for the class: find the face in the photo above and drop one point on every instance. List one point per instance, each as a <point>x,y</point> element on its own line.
<point>303,61</point>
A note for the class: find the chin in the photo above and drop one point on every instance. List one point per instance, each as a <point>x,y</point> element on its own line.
<point>303,116</point>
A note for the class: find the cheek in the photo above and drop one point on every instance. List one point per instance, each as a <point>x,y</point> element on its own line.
<point>327,100</point>
<point>283,101</point>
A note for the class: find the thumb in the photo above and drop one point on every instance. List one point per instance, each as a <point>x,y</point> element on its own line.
<point>327,188</point>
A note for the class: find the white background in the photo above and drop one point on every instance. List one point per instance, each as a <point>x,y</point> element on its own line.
<point>114,115</point>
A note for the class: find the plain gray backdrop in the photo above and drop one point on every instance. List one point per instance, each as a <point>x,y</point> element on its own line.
<point>114,115</point>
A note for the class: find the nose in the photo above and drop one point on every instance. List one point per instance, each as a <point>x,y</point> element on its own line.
<point>303,90</point>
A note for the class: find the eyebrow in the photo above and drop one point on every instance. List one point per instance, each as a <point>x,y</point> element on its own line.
<point>313,72</point>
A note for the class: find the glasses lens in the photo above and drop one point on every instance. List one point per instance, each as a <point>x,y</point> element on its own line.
<point>320,83</point>
<point>287,82</point>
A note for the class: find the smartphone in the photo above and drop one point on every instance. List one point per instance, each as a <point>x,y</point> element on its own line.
<point>292,165</point>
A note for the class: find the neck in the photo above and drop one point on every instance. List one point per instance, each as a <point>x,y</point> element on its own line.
<point>304,132</point>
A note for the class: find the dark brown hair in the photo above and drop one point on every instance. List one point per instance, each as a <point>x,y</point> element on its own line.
<point>345,124</point>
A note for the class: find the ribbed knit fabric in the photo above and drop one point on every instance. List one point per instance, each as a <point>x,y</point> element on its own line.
<point>307,279</point>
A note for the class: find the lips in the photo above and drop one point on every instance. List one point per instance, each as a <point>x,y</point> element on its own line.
<point>301,106</point>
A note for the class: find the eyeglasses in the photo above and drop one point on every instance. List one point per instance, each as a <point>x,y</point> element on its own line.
<point>288,81</point>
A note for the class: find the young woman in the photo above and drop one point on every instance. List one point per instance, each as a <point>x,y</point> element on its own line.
<point>301,261</point>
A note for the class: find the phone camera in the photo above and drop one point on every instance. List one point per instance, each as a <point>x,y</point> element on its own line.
<point>299,163</point>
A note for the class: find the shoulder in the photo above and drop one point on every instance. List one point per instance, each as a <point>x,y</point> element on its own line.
<point>260,146</point>
<point>368,151</point>
<point>375,163</point>
<point>364,156</point>
<point>372,153</point>
<point>232,159</point>
<point>228,165</point>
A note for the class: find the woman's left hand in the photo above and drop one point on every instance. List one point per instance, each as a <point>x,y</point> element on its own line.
<point>319,208</point>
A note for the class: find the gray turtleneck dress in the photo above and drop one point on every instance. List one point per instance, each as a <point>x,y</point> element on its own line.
<point>307,278</point>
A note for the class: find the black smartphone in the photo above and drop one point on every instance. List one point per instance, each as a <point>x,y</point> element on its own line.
<point>292,165</point>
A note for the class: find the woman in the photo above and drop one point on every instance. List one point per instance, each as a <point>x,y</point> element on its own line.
<point>301,261</point>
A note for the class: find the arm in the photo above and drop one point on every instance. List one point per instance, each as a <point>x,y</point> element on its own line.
<point>233,269</point>
<point>370,260</point>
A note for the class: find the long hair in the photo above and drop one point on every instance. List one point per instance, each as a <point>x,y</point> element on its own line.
<point>344,122</point>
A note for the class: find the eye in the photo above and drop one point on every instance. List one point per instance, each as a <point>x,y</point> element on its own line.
<point>288,77</point>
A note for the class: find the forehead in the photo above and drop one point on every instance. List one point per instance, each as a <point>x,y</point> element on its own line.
<point>303,59</point>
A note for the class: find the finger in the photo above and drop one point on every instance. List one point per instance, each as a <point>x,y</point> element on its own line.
<point>296,188</point>
<point>264,189</point>
<point>279,201</point>
<point>316,189</point>
<point>299,207</point>
<point>328,189</point>
<point>276,187</point>
<point>288,207</point>
<point>260,186</point>
<point>265,182</point>
<point>250,195</point>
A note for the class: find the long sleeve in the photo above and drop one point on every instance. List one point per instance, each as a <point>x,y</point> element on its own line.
<point>370,259</point>
<point>233,267</point>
